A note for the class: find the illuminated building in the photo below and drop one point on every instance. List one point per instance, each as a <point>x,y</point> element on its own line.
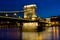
<point>48,21</point>
<point>55,25</point>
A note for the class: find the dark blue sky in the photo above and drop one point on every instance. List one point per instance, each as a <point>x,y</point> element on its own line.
<point>45,8</point>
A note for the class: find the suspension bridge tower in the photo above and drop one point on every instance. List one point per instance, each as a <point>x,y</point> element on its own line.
<point>30,12</point>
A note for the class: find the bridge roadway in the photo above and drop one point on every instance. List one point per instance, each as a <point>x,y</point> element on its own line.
<point>15,19</point>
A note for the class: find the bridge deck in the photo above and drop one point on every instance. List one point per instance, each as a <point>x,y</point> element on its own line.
<point>14,19</point>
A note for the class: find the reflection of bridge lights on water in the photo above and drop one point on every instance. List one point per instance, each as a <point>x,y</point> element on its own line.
<point>45,35</point>
<point>37,35</point>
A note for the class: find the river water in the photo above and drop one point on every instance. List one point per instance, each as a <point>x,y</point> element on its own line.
<point>45,35</point>
<point>17,34</point>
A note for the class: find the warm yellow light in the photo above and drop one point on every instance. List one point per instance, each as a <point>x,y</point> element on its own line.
<point>57,23</point>
<point>14,13</point>
<point>33,18</point>
<point>6,14</point>
<point>52,22</point>
<point>33,5</point>
<point>49,22</point>
<point>25,16</point>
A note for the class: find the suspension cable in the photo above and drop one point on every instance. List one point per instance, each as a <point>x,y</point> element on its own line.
<point>11,11</point>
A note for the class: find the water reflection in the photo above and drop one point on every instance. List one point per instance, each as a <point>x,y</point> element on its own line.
<point>10,34</point>
<point>45,35</point>
<point>17,34</point>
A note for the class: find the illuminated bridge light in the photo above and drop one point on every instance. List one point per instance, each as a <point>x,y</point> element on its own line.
<point>6,14</point>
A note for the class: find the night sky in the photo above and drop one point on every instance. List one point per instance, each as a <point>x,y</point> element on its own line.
<point>45,8</point>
